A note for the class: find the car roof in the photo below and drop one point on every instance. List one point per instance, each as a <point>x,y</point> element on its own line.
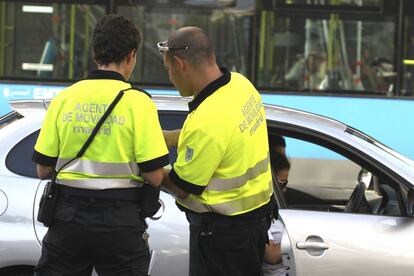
<point>178,103</point>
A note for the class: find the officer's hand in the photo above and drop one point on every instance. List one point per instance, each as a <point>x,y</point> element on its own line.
<point>171,137</point>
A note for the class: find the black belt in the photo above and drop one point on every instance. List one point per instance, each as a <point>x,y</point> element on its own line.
<point>221,220</point>
<point>129,194</point>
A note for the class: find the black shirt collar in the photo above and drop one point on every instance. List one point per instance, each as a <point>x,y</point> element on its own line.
<point>105,74</point>
<point>210,89</point>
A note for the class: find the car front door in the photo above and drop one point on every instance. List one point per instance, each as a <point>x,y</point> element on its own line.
<point>327,243</point>
<point>326,233</point>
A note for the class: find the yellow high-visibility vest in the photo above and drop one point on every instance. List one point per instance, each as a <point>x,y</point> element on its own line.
<point>129,141</point>
<point>223,152</point>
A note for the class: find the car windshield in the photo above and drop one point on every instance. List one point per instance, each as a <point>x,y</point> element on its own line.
<point>378,144</point>
<point>9,118</point>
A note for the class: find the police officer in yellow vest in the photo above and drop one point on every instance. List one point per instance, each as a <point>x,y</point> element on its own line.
<point>96,221</point>
<point>222,174</point>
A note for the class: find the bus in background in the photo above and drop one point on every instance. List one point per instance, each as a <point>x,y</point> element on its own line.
<point>352,60</point>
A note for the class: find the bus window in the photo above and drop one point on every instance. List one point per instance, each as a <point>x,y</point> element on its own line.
<point>228,23</point>
<point>407,76</point>
<point>340,3</point>
<point>326,52</point>
<point>46,40</point>
<point>51,41</point>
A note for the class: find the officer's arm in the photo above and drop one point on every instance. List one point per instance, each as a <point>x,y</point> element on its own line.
<point>170,186</point>
<point>273,253</point>
<point>45,172</point>
<point>154,178</point>
<point>171,137</point>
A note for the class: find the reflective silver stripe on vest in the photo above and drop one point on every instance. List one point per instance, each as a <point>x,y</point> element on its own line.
<point>230,207</point>
<point>98,168</point>
<point>217,184</point>
<point>100,183</point>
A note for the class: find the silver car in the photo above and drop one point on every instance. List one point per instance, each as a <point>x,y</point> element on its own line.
<point>348,209</point>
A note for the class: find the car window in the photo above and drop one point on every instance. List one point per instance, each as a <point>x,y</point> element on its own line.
<point>323,180</point>
<point>19,159</point>
<point>171,120</point>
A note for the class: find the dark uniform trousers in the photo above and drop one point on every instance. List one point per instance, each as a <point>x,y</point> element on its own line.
<point>222,247</point>
<point>102,233</point>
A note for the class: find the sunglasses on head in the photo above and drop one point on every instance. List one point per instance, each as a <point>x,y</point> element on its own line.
<point>162,48</point>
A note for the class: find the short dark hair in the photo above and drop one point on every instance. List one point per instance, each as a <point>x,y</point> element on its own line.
<point>200,48</point>
<point>114,37</point>
<point>276,141</point>
<point>279,162</point>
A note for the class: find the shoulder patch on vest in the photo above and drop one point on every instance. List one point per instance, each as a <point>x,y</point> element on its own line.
<point>188,153</point>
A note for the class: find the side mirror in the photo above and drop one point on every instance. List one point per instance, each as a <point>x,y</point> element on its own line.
<point>410,202</point>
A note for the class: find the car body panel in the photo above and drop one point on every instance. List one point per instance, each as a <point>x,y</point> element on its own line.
<point>18,244</point>
<point>169,239</point>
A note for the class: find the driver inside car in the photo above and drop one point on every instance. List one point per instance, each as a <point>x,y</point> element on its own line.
<point>272,265</point>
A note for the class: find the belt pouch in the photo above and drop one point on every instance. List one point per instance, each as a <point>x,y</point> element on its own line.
<point>47,204</point>
<point>149,204</point>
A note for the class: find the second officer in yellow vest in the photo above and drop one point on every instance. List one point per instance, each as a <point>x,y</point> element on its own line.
<point>222,174</point>
<point>96,222</point>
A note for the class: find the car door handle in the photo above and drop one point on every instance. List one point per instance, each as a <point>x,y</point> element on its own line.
<point>311,245</point>
<point>314,245</point>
